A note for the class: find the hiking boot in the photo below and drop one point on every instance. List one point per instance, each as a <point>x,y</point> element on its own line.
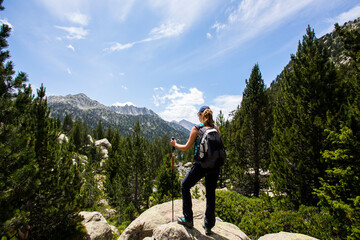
<point>207,230</point>
<point>182,221</point>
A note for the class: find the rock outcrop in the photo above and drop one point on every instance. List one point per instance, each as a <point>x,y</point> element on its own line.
<point>63,138</point>
<point>103,142</point>
<point>286,236</point>
<point>96,226</point>
<point>156,223</point>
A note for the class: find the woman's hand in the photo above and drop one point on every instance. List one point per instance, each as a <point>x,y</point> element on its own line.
<point>173,142</point>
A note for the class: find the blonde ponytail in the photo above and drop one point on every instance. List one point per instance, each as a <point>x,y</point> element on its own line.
<point>207,117</point>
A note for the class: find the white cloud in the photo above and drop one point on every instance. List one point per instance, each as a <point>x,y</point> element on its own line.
<point>68,71</point>
<point>218,26</point>
<point>119,104</point>
<point>5,21</point>
<point>119,47</point>
<point>167,30</point>
<point>209,36</point>
<point>177,16</point>
<point>251,18</point>
<point>78,18</point>
<point>71,47</point>
<point>179,103</point>
<point>342,18</point>
<point>225,103</point>
<point>157,33</point>
<point>70,10</point>
<point>124,87</point>
<point>74,32</point>
<point>186,12</point>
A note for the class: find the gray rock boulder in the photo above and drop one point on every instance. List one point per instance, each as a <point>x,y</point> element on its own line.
<point>156,223</point>
<point>103,142</point>
<point>96,226</point>
<point>63,138</point>
<point>171,231</point>
<point>286,236</point>
<point>188,165</point>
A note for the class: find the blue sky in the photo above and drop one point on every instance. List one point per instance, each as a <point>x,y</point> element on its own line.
<point>171,56</point>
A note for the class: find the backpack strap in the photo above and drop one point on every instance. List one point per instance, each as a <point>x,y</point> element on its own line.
<point>199,126</point>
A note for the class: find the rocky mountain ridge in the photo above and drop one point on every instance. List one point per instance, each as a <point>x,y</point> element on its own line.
<point>132,110</point>
<point>81,107</point>
<point>83,102</point>
<point>332,44</point>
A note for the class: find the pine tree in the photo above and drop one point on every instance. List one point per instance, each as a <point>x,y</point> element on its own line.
<point>138,165</point>
<point>109,134</point>
<point>167,182</point>
<point>17,166</point>
<point>67,124</point>
<point>306,103</point>
<point>55,205</point>
<point>251,133</point>
<point>90,189</point>
<point>225,171</point>
<point>99,131</point>
<point>39,182</point>
<point>339,191</point>
<point>76,135</point>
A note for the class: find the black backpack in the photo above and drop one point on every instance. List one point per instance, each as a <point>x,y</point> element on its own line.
<point>211,152</point>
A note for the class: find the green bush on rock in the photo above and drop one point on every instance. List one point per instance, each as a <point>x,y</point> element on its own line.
<point>260,216</point>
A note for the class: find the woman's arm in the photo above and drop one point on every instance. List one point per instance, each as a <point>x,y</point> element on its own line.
<point>193,134</point>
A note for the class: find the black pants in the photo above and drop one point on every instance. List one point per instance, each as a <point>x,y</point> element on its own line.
<point>194,175</point>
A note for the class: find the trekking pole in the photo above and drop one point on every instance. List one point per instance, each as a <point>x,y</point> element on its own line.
<point>172,181</point>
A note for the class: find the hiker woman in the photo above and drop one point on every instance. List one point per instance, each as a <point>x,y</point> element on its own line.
<point>196,173</point>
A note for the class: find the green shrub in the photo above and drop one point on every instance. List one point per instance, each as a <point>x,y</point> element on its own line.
<point>260,216</point>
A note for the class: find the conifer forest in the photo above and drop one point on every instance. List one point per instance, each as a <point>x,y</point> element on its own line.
<point>293,153</point>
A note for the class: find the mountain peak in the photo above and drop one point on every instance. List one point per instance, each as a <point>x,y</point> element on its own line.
<point>80,101</point>
<point>83,102</point>
<point>186,124</point>
<point>131,110</point>
<point>118,104</point>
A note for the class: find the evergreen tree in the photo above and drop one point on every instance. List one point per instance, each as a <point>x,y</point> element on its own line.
<point>109,134</point>
<point>306,104</point>
<point>55,205</point>
<point>167,182</point>
<point>138,165</point>
<point>225,171</point>
<point>67,124</point>
<point>39,181</point>
<point>90,189</point>
<point>99,131</point>
<point>17,166</point>
<point>76,135</point>
<point>117,172</point>
<point>339,191</point>
<point>251,136</point>
<point>127,173</point>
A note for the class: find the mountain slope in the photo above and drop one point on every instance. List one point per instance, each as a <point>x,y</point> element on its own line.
<point>334,46</point>
<point>79,106</point>
<point>186,124</point>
